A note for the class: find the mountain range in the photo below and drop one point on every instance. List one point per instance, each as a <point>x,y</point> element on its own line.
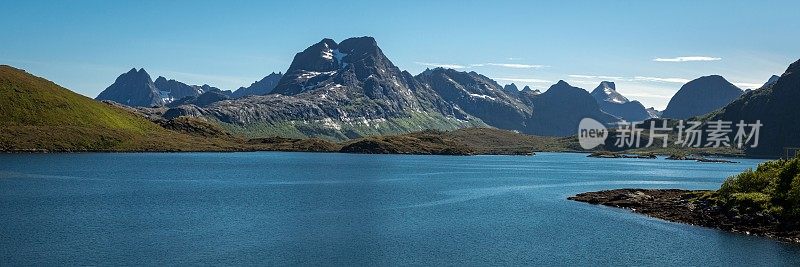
<point>137,89</point>
<point>347,90</point>
<point>351,89</point>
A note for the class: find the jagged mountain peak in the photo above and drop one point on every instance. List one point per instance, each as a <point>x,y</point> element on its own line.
<point>772,80</point>
<point>614,103</point>
<point>561,86</point>
<point>133,88</point>
<point>363,44</point>
<point>528,89</point>
<point>511,87</point>
<point>607,91</point>
<point>353,61</point>
<point>607,84</point>
<point>135,73</point>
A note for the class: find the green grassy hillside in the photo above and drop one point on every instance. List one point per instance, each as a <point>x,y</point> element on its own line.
<point>36,114</point>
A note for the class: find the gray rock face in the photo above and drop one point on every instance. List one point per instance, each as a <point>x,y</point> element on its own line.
<point>133,88</point>
<point>701,96</point>
<point>614,103</point>
<point>478,96</point>
<point>261,87</point>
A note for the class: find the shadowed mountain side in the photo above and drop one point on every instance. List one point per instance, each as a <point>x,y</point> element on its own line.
<point>701,96</point>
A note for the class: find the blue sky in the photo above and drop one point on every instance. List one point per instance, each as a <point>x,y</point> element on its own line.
<point>84,45</point>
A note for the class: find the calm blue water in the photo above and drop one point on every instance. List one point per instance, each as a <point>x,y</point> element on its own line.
<point>342,209</point>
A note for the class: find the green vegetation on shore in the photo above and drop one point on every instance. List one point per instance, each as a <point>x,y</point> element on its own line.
<point>763,202</point>
<point>772,188</point>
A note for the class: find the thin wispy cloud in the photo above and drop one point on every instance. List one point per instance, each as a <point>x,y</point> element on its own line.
<point>196,78</point>
<point>687,59</point>
<point>630,79</point>
<point>582,82</point>
<point>647,95</point>
<point>748,85</point>
<point>475,65</point>
<point>523,80</point>
<point>516,66</point>
<point>441,65</point>
<point>659,79</point>
<point>601,77</point>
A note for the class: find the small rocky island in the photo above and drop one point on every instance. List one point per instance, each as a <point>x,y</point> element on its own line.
<point>690,207</point>
<point>762,202</point>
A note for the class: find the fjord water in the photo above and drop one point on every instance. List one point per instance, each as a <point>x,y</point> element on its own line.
<point>315,209</point>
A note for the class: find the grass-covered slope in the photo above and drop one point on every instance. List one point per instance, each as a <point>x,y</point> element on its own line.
<point>36,114</point>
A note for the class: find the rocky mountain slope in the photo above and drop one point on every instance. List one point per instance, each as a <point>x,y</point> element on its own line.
<point>701,96</point>
<point>776,106</point>
<point>339,91</point>
<point>614,103</point>
<point>351,89</point>
<point>772,80</point>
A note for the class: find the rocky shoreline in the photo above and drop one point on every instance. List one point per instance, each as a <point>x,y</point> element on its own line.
<point>690,207</point>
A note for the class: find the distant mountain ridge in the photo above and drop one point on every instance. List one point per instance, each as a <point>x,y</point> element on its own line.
<point>136,88</point>
<point>351,89</point>
<point>260,87</point>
